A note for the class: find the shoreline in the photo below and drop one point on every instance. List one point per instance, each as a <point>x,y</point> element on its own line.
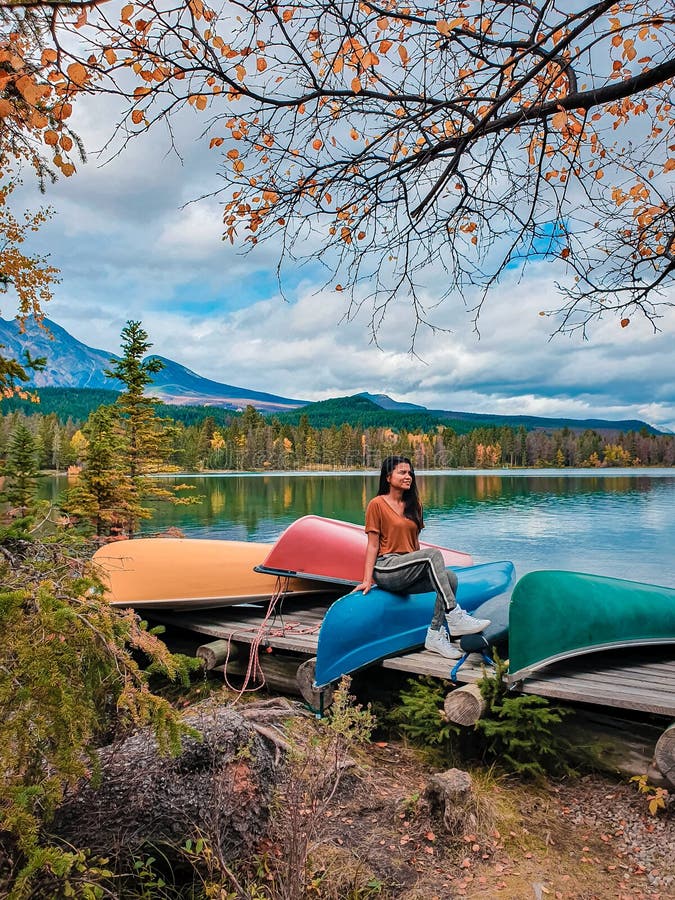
<point>517,471</point>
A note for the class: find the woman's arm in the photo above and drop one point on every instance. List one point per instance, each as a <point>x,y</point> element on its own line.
<point>371,556</point>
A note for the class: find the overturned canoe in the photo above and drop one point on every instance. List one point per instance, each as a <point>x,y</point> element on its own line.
<point>557,615</point>
<point>359,629</point>
<point>330,550</point>
<point>179,573</point>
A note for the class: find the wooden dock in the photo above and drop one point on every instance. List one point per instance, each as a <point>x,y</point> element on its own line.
<point>637,679</point>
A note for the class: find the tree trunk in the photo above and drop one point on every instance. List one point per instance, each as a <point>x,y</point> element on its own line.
<point>664,755</point>
<point>216,652</point>
<point>219,788</point>
<point>464,705</point>
<point>317,700</point>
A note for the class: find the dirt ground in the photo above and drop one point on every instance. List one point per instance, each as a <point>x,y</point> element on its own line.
<point>590,838</point>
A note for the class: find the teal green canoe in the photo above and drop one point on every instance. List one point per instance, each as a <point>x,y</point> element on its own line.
<point>557,615</point>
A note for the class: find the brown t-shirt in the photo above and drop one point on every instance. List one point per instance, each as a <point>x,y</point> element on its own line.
<point>397,534</point>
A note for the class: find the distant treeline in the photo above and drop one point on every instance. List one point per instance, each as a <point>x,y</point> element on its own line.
<point>246,441</point>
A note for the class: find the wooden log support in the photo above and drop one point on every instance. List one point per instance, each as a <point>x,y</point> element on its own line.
<point>215,653</point>
<point>305,683</point>
<point>664,754</point>
<point>464,705</point>
<point>278,671</point>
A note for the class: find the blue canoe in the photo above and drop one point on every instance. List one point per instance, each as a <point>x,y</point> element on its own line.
<point>359,630</point>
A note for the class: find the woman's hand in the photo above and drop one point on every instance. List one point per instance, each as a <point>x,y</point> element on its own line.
<point>364,587</point>
<point>371,555</point>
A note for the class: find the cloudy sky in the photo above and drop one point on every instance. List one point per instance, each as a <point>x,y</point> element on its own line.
<point>131,244</point>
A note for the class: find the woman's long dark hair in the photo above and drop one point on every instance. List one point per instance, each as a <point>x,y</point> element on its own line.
<point>412,506</point>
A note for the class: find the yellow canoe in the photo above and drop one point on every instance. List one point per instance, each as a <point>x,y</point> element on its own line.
<point>180,573</point>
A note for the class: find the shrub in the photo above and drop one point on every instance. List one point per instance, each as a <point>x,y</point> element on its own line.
<point>69,677</point>
<point>419,718</point>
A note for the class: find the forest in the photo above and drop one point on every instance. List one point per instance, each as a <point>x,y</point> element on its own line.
<point>214,439</point>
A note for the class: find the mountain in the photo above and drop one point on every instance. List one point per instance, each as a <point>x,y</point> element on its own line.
<point>178,385</point>
<point>385,402</point>
<point>72,364</point>
<point>605,426</point>
<point>361,410</point>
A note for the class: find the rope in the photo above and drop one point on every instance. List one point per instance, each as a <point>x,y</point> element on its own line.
<point>254,671</point>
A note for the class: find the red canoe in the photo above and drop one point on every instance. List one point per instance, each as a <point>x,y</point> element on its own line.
<point>330,550</point>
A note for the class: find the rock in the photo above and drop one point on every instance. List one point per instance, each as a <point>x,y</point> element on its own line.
<point>218,788</point>
<point>450,795</point>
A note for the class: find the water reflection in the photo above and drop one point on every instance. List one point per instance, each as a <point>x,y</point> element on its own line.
<point>620,524</point>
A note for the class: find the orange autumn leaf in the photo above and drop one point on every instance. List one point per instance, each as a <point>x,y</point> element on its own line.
<point>232,154</point>
<point>62,111</point>
<point>215,142</point>
<point>29,90</point>
<point>356,85</point>
<point>288,15</point>
<point>37,120</point>
<point>385,47</point>
<point>317,144</point>
<point>51,138</point>
<point>137,116</point>
<point>77,73</point>
<point>238,166</point>
<point>625,322</point>
<point>444,27</point>
<point>201,102</point>
<point>261,64</point>
<point>110,55</point>
<point>48,56</point>
<point>559,120</point>
<point>403,53</point>
<point>670,165</point>
<point>127,12</point>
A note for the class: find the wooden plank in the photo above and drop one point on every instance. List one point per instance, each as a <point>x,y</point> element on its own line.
<point>649,670</point>
<point>584,689</point>
<point>247,629</point>
<point>434,665</point>
<point>622,679</point>
<point>559,690</point>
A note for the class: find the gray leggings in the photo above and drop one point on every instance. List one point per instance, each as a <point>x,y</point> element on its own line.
<point>416,573</point>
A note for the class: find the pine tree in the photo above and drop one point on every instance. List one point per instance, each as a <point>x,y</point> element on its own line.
<point>21,469</point>
<point>148,444</point>
<point>104,492</point>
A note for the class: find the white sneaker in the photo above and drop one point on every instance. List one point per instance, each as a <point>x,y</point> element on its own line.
<point>439,642</point>
<point>460,622</point>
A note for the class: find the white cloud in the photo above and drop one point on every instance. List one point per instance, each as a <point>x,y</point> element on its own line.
<point>129,247</point>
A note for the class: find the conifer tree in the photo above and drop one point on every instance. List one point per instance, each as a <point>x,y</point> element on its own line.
<point>148,444</point>
<point>146,449</point>
<point>21,469</point>
<point>104,493</point>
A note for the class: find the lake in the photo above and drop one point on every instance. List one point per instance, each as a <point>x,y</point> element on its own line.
<point>618,522</point>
